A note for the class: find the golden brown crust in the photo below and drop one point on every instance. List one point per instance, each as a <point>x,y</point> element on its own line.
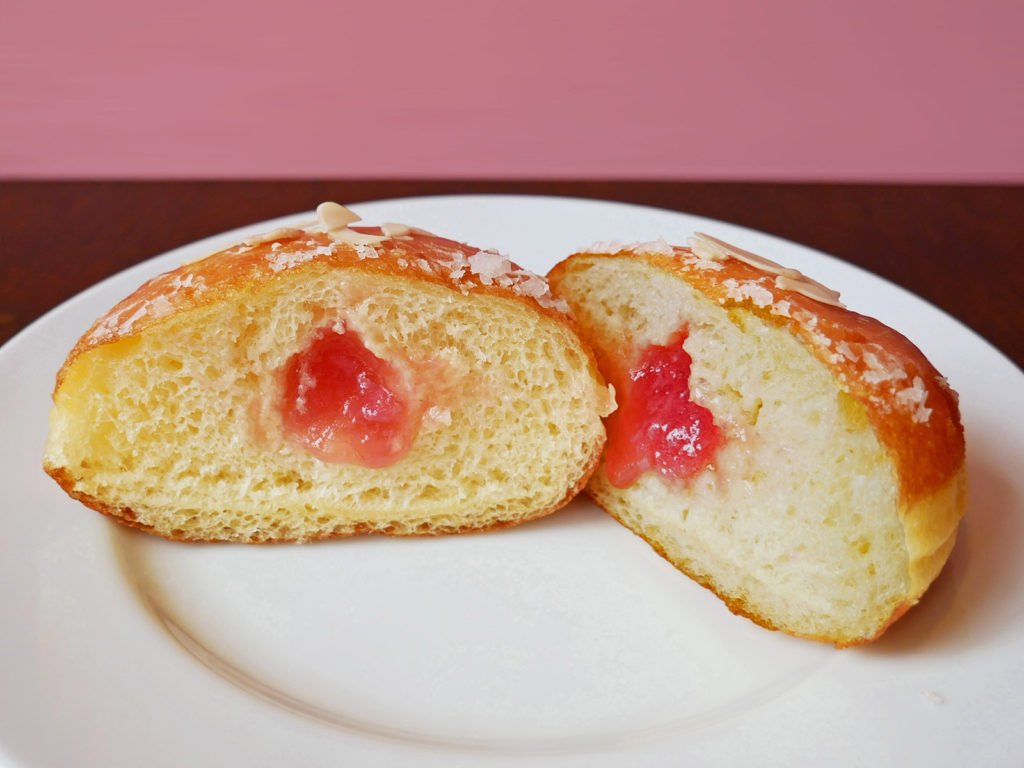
<point>912,409</point>
<point>247,267</point>
<point>126,516</point>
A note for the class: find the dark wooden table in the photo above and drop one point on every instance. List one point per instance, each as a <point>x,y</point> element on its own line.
<point>959,247</point>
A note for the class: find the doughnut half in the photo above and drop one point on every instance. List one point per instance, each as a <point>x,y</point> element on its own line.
<point>819,482</point>
<point>330,380</point>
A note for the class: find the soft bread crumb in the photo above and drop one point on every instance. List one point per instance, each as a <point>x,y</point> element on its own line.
<point>804,522</point>
<point>176,429</point>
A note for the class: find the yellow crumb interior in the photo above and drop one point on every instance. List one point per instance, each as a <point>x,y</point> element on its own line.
<point>181,424</point>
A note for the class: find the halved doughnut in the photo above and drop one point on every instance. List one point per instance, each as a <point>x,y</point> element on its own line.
<point>329,380</point>
<point>804,462</point>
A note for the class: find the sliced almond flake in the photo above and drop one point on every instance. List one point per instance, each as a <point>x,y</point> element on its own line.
<point>391,229</point>
<point>351,237</point>
<point>281,233</point>
<point>708,247</point>
<point>334,216</point>
<point>812,289</point>
<point>490,266</point>
<point>404,231</point>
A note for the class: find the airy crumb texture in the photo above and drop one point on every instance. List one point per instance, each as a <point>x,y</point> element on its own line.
<point>835,498</point>
<point>167,414</point>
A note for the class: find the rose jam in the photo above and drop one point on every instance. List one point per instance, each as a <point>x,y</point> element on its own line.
<point>343,404</point>
<point>657,426</point>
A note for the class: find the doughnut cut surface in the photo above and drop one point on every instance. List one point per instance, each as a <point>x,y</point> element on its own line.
<point>199,408</point>
<point>833,498</point>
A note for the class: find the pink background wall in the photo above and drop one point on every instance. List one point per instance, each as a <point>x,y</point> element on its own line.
<point>865,90</point>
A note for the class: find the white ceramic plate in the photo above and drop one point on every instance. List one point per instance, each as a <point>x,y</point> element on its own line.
<point>564,642</point>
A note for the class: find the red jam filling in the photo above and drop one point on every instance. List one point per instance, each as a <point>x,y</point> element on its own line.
<point>657,426</point>
<point>343,404</point>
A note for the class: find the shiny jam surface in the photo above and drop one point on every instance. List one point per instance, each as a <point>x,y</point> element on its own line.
<point>657,426</point>
<point>343,404</point>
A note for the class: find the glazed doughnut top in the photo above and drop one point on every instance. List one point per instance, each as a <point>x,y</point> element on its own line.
<point>910,404</point>
<point>332,238</point>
